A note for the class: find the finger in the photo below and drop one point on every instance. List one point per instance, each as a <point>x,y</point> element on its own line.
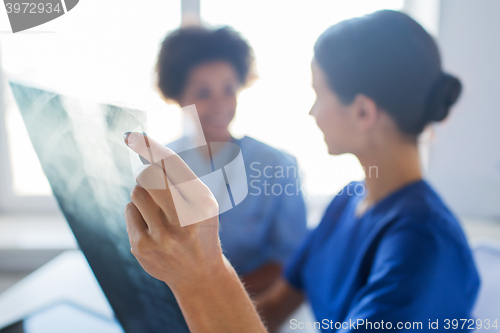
<point>174,167</point>
<point>167,198</point>
<point>189,199</point>
<point>149,209</point>
<point>136,226</point>
<point>177,209</point>
<point>152,177</point>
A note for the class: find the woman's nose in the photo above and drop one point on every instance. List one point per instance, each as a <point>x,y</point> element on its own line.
<point>220,104</point>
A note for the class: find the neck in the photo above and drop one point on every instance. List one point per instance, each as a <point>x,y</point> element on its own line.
<point>223,136</point>
<point>390,169</point>
<point>220,137</point>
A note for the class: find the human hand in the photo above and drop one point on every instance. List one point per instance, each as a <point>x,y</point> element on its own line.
<point>172,220</point>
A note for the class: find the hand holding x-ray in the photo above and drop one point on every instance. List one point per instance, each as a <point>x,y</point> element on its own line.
<point>172,221</point>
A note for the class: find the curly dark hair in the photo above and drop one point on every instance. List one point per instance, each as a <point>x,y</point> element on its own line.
<point>185,48</point>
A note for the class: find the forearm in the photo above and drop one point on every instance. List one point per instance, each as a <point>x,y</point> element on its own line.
<point>277,304</point>
<point>187,256</point>
<point>261,279</point>
<point>219,303</point>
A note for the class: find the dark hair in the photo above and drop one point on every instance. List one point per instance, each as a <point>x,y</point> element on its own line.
<point>390,58</point>
<point>185,48</point>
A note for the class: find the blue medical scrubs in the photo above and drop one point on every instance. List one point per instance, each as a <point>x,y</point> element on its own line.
<point>270,223</point>
<point>405,260</point>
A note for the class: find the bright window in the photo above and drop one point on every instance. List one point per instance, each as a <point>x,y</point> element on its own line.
<point>108,55</point>
<point>101,50</point>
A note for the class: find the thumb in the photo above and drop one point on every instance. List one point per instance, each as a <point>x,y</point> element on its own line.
<point>173,165</point>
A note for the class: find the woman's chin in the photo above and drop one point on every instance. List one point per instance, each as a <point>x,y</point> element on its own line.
<point>216,132</point>
<point>334,150</point>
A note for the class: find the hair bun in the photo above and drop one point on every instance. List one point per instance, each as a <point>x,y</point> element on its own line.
<point>444,94</point>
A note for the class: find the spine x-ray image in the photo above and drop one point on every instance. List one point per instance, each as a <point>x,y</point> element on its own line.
<point>80,147</point>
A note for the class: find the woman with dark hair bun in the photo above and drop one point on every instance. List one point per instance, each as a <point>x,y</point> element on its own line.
<point>208,68</point>
<point>391,59</point>
<point>388,253</point>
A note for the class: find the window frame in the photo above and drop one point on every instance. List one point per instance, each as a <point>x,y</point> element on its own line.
<point>10,202</point>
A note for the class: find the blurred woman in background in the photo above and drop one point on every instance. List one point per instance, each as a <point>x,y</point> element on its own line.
<point>208,68</point>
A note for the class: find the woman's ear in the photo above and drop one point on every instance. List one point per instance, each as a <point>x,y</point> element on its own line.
<point>365,111</point>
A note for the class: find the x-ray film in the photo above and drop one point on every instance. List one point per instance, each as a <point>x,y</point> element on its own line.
<point>80,147</point>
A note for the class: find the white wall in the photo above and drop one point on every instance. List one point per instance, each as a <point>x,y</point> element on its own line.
<point>4,161</point>
<point>464,161</point>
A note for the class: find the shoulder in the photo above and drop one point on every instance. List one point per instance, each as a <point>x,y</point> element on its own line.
<point>255,150</point>
<point>424,207</point>
<point>423,216</point>
<point>427,240</point>
<point>348,192</point>
<point>420,224</point>
<point>179,144</point>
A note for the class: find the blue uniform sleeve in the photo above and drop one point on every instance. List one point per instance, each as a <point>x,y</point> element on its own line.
<point>293,268</point>
<point>289,225</point>
<point>410,282</point>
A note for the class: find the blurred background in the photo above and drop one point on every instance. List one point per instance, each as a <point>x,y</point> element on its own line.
<point>105,51</point>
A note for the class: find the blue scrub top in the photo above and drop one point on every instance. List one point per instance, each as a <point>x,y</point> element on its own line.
<point>406,259</point>
<point>270,223</point>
